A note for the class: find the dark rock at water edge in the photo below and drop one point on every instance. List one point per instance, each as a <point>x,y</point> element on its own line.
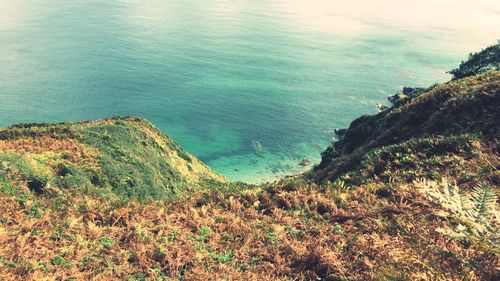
<point>340,132</point>
<point>406,94</point>
<point>381,107</point>
<point>305,162</point>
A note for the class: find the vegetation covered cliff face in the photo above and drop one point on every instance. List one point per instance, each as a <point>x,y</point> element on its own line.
<point>450,129</point>
<point>119,158</point>
<point>407,194</point>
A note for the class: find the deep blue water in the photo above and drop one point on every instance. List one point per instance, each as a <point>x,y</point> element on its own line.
<point>218,75</point>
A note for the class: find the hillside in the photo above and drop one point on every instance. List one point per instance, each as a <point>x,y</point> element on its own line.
<point>118,157</point>
<point>410,193</point>
<point>447,130</point>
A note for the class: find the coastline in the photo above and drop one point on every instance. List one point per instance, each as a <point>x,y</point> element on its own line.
<point>268,167</point>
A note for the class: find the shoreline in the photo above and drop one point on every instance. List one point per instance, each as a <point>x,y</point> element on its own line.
<point>262,171</point>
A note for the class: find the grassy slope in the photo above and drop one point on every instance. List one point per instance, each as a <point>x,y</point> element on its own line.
<point>358,216</point>
<point>119,158</point>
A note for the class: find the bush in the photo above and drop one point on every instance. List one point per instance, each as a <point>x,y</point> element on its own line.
<point>481,62</point>
<point>107,243</point>
<point>57,261</point>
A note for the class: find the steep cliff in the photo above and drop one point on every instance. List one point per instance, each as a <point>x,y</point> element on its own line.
<point>450,129</point>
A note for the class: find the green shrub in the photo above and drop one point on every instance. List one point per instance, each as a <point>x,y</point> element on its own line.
<point>480,62</point>
<point>17,165</point>
<point>57,260</point>
<point>6,186</point>
<point>223,257</point>
<point>71,177</point>
<point>107,243</point>
<point>138,276</point>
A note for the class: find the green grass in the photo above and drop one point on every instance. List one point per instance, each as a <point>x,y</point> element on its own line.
<point>222,257</point>
<point>133,160</point>
<point>135,171</point>
<point>107,243</point>
<point>20,167</point>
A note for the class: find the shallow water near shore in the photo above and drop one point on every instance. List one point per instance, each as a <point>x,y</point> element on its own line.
<point>219,76</point>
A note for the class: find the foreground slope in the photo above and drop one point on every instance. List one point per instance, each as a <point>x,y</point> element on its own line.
<point>292,230</point>
<point>408,194</point>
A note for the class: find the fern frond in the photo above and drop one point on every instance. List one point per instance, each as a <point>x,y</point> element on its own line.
<point>483,202</point>
<point>478,209</point>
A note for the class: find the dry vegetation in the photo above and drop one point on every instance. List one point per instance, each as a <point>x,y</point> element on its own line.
<point>292,230</point>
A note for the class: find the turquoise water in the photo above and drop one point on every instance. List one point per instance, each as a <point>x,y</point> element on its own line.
<point>219,76</point>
